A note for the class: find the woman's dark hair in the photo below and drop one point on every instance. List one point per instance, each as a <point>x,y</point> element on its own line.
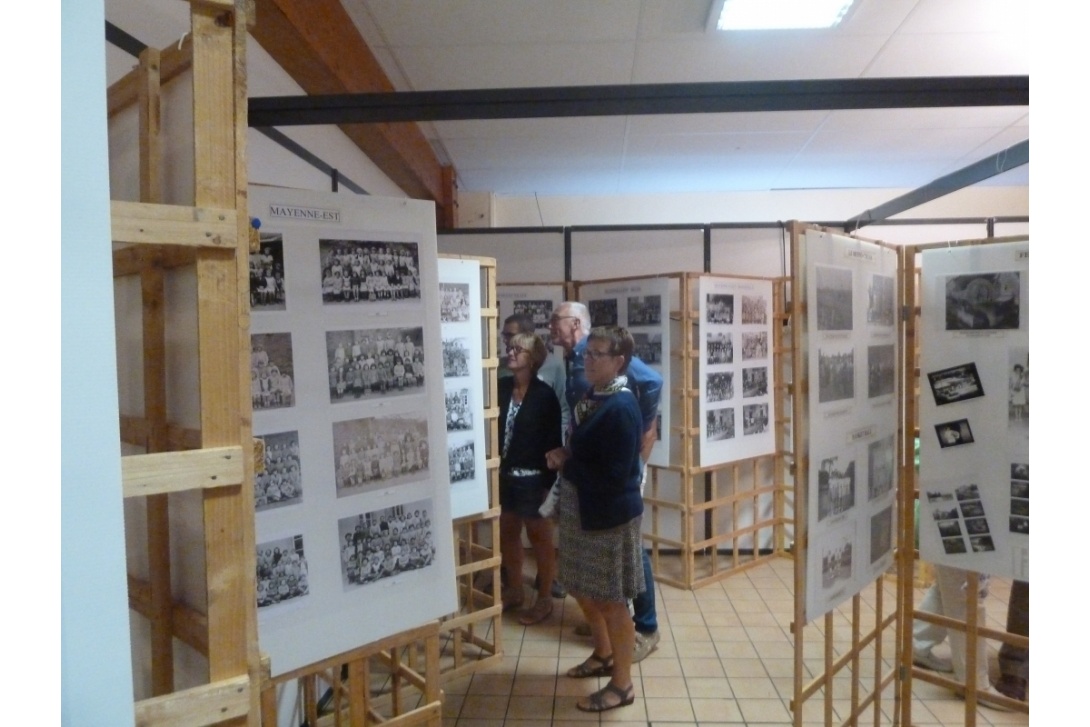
<point>619,340</point>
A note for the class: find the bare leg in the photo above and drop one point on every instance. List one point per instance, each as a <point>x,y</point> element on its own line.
<point>511,556</point>
<point>540,532</point>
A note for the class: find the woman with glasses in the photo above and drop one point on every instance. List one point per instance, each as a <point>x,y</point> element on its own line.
<point>530,421</point>
<point>600,509</point>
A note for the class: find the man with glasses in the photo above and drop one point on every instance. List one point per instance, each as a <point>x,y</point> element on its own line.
<point>569,328</point>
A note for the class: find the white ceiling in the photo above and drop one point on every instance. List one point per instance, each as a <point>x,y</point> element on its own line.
<point>428,45</point>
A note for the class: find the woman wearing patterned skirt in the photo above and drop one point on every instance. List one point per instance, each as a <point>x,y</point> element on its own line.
<point>600,512</point>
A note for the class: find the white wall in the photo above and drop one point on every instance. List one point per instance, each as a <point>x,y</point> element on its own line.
<point>96,680</point>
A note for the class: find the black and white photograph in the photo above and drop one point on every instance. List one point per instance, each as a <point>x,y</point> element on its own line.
<point>983,301</point>
<point>267,274</point>
<point>720,386</point>
<point>754,309</point>
<point>755,382</point>
<point>272,372</point>
<point>720,424</point>
<point>1020,508</point>
<point>453,302</point>
<point>383,543</point>
<point>459,411</point>
<point>463,466</point>
<point>881,534</point>
<point>1018,391</point>
<point>880,300</point>
<point>1019,525</point>
<point>720,348</point>
<point>956,383</point>
<point>720,308</point>
<point>945,511</point>
<point>971,508</point>
<point>967,492</point>
<point>981,543</point>
<point>754,345</point>
<point>834,298</point>
<point>977,526</point>
<point>282,572</point>
<point>1020,489</point>
<point>603,312</point>
<point>455,357</point>
<point>953,546</point>
<point>836,487</point>
<point>1020,471</point>
<point>879,467</point>
<point>372,363</point>
<point>938,496</point>
<point>645,310</point>
<point>538,310</point>
<point>648,347</point>
<point>754,419</point>
<point>836,374</point>
<point>881,370</point>
<point>949,528</point>
<point>836,563</point>
<point>954,434</point>
<point>281,482</point>
<point>379,452</point>
<point>366,271</point>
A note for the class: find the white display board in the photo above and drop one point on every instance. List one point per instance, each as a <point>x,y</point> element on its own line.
<point>851,349</point>
<point>736,378</point>
<point>643,307</point>
<point>460,323</point>
<point>353,516</point>
<point>974,408</point>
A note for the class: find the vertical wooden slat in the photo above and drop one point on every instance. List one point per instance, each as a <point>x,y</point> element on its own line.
<point>150,112</point>
<point>906,493</point>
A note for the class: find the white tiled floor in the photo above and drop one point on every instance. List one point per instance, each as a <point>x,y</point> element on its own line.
<point>725,658</point>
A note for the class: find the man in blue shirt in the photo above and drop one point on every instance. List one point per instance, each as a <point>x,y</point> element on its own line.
<point>569,328</point>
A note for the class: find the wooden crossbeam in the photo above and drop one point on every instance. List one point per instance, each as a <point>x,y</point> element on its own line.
<point>208,704</point>
<point>174,60</point>
<point>155,474</point>
<point>161,224</point>
<point>187,624</point>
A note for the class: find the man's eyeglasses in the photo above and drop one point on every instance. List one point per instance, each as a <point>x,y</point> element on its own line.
<point>555,320</point>
<point>596,355</point>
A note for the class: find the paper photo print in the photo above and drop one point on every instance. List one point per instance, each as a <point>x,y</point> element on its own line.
<point>374,363</point>
<point>834,298</point>
<point>378,452</point>
<point>983,301</point>
<point>281,571</point>
<point>272,372</point>
<point>384,543</point>
<point>368,271</point>
<point>957,383</point>
<point>954,434</point>
<point>281,482</point>
<point>603,312</point>
<point>267,274</point>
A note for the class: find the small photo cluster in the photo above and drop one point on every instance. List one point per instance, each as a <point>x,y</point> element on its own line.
<point>1020,498</point>
<point>960,515</point>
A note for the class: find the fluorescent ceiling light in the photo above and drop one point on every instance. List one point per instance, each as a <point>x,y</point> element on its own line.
<point>779,14</point>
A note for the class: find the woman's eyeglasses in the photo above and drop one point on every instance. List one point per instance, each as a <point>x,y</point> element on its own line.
<point>515,350</point>
<point>596,355</point>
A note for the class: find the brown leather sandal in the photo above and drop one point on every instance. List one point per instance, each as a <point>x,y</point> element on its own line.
<point>541,610</point>
<point>594,666</point>
<point>597,702</point>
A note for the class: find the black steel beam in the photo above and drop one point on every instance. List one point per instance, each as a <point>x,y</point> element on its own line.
<point>118,37</point>
<point>1004,161</point>
<point>321,165</point>
<point>625,100</point>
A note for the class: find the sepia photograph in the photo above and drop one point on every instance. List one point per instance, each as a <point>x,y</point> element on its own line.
<point>836,375</point>
<point>459,413</point>
<point>754,419</point>
<point>836,487</point>
<point>282,573</point>
<point>281,482</point>
<point>834,298</point>
<point>603,312</point>
<point>365,271</point>
<point>879,468</point>
<point>881,534</point>
<point>755,382</point>
<point>372,363</point>
<point>754,345</point>
<point>648,347</point>
<point>720,348</point>
<point>463,466</point>
<point>720,386</point>
<point>378,452</point>
<point>881,370</point>
<point>954,434</point>
<point>880,300</point>
<point>385,542</point>
<point>455,357</point>
<point>267,274</point>
<point>272,373</point>
<point>720,424</point>
<point>720,308</point>
<point>983,301</point>
<point>645,310</point>
<point>956,383</point>
<point>754,309</point>
<point>453,302</point>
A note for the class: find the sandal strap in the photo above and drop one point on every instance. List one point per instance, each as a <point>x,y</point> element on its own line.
<point>588,668</point>
<point>596,702</point>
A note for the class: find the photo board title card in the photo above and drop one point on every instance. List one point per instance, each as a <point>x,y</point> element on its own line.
<point>974,408</point>
<point>851,342</point>
<point>735,372</point>
<point>353,510</point>
<point>460,321</point>
<point>643,307</point>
